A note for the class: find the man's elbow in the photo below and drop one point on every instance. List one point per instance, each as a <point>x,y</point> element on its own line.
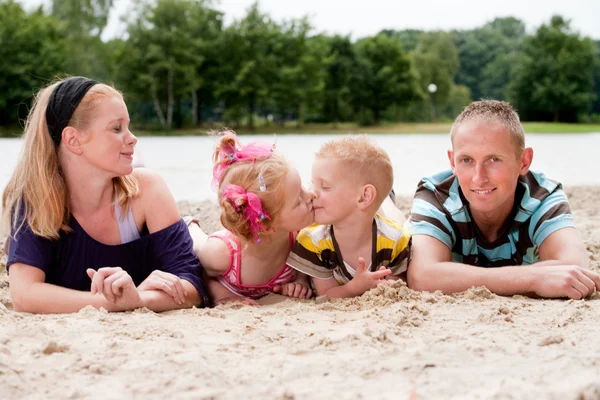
<point>417,278</point>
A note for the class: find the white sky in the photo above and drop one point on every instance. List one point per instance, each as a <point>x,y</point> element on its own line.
<point>368,17</point>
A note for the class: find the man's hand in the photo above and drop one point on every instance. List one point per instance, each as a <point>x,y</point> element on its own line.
<point>564,281</point>
<point>364,280</point>
<point>166,282</point>
<point>117,287</point>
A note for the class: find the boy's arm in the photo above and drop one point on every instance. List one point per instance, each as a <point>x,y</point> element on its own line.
<point>363,280</point>
<point>431,268</point>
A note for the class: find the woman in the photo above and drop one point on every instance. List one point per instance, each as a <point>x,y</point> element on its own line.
<point>86,228</point>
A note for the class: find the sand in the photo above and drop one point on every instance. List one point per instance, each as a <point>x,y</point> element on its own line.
<point>390,343</point>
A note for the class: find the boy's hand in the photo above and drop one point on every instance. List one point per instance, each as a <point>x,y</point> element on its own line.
<point>294,289</point>
<point>365,280</point>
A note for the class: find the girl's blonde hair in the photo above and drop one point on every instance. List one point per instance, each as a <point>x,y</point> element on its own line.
<point>36,193</point>
<point>263,176</point>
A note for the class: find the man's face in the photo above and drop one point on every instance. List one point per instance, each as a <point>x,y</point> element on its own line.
<point>488,164</point>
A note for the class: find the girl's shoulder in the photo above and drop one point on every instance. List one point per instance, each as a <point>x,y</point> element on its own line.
<point>216,254</point>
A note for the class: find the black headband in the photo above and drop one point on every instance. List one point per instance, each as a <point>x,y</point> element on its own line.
<point>62,104</point>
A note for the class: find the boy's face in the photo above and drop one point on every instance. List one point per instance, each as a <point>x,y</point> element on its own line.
<point>336,192</point>
<point>488,164</point>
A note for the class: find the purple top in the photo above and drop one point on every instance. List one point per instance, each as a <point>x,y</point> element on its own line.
<point>65,260</point>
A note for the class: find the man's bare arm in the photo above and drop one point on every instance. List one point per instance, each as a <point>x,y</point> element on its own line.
<point>431,268</point>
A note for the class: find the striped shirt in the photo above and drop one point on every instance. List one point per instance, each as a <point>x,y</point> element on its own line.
<point>440,210</point>
<point>316,251</point>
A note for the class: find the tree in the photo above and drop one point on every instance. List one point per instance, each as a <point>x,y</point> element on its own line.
<point>478,50</point>
<point>436,60</point>
<point>162,56</point>
<point>82,17</point>
<point>383,76</point>
<point>336,100</point>
<point>83,22</point>
<point>300,73</point>
<point>409,37</point>
<point>596,104</point>
<point>32,53</point>
<point>249,48</point>
<point>554,79</point>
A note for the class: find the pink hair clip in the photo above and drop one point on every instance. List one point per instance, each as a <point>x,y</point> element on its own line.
<point>229,154</point>
<point>249,205</point>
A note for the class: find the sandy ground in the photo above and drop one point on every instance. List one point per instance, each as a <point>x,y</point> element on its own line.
<point>390,343</point>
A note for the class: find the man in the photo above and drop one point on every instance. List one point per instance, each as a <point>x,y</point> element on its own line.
<point>491,211</point>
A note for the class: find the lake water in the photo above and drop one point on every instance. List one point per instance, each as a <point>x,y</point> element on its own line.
<point>185,162</point>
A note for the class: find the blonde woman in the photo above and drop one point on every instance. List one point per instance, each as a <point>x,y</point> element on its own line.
<point>85,227</point>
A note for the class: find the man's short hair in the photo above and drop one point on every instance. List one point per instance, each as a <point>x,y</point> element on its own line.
<point>493,111</point>
<point>366,161</point>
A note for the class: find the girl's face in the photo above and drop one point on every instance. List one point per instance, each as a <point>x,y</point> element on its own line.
<point>108,143</point>
<point>297,211</point>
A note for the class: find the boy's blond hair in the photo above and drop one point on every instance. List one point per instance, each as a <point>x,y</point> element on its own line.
<point>365,161</point>
<point>493,111</point>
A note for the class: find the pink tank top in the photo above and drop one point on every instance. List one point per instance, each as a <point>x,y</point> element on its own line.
<point>232,278</point>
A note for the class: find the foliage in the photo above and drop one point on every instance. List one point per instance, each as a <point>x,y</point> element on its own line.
<point>554,77</point>
<point>180,66</point>
<point>383,76</point>
<point>32,54</point>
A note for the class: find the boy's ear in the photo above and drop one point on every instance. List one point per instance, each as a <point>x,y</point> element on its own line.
<point>367,197</point>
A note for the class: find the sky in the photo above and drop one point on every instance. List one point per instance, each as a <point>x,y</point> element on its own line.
<point>360,18</point>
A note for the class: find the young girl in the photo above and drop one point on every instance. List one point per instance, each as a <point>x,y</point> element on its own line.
<point>263,205</point>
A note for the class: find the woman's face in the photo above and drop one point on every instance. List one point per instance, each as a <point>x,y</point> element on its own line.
<point>108,143</point>
<point>297,211</point>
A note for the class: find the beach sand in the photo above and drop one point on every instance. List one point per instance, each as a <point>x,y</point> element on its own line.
<point>391,343</point>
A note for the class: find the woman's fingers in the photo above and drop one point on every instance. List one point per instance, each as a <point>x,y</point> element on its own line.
<point>173,283</point>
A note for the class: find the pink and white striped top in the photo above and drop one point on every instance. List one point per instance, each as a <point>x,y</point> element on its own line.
<point>232,278</point>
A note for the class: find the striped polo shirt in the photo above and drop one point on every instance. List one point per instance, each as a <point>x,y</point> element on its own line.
<point>440,210</point>
<point>316,252</point>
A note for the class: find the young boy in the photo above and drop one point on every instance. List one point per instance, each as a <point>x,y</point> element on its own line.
<point>351,177</point>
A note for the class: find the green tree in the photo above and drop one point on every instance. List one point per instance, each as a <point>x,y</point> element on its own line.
<point>301,71</point>
<point>596,104</point>
<point>83,22</point>
<point>436,61</point>
<point>161,58</point>
<point>82,17</point>
<point>32,54</point>
<point>249,48</point>
<point>554,78</point>
<point>383,76</point>
<point>409,37</point>
<point>478,50</point>
<point>336,101</point>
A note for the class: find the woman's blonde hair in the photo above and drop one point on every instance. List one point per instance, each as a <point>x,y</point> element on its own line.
<point>263,176</point>
<point>37,194</point>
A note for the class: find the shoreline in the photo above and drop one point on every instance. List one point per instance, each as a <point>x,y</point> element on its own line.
<point>390,343</point>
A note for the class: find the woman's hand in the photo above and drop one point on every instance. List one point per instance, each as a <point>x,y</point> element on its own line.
<point>166,282</point>
<point>116,285</point>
